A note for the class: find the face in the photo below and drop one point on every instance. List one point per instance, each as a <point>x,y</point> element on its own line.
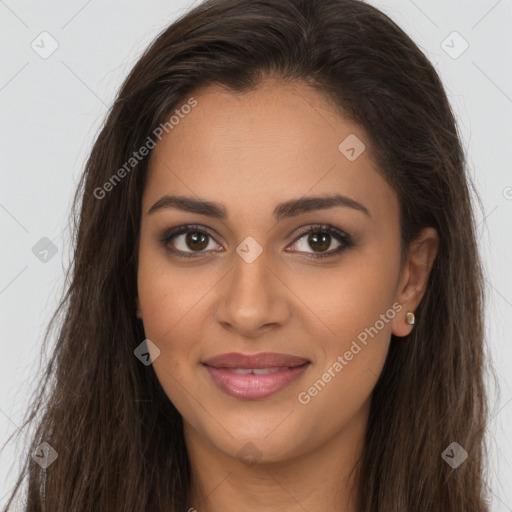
<point>249,273</point>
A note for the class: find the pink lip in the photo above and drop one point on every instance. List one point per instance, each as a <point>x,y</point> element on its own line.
<point>253,386</point>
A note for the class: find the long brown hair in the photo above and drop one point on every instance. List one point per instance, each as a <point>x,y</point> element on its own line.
<point>118,437</point>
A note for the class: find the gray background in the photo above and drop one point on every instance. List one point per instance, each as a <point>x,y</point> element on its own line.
<point>52,109</point>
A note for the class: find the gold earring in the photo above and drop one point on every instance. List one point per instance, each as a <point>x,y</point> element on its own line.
<point>409,316</point>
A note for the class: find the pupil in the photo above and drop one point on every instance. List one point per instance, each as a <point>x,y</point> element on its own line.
<point>193,238</point>
<point>313,239</point>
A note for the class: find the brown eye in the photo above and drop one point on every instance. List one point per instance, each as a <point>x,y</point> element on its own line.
<point>319,239</point>
<point>187,240</point>
<point>196,240</point>
<point>192,241</point>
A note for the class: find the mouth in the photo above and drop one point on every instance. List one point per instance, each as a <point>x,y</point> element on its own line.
<point>253,377</point>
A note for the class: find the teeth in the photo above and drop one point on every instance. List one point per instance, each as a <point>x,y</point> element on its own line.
<point>241,371</point>
<point>263,371</point>
<point>256,371</point>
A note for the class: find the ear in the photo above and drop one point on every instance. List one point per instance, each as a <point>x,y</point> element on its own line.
<point>138,310</point>
<point>413,278</point>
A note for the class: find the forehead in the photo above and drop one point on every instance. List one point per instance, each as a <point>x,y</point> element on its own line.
<point>256,149</point>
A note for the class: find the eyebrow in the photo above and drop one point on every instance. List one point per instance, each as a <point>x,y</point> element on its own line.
<point>282,211</point>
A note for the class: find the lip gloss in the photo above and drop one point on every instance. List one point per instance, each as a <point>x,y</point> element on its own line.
<point>251,384</point>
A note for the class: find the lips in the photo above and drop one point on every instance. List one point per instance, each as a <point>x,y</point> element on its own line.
<point>261,360</point>
<point>254,376</point>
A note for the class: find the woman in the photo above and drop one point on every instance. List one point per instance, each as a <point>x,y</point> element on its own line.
<point>276,297</point>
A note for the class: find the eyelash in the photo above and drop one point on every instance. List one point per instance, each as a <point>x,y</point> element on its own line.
<point>343,238</point>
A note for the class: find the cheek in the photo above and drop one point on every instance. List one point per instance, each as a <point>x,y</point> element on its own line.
<point>167,310</point>
<point>167,314</point>
<point>170,303</point>
<point>344,300</point>
<point>351,362</point>
<point>356,305</point>
<point>167,294</point>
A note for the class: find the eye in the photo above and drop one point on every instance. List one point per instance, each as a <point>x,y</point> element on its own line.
<point>187,240</point>
<point>183,238</point>
<point>320,238</point>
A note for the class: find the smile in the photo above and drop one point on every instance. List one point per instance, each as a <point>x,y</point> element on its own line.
<point>254,383</point>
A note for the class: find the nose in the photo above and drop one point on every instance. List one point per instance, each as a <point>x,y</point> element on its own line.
<point>253,299</point>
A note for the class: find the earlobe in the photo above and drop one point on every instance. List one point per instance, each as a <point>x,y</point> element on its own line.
<point>414,278</point>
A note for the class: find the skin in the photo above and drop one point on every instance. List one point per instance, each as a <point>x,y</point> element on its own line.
<point>250,152</point>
